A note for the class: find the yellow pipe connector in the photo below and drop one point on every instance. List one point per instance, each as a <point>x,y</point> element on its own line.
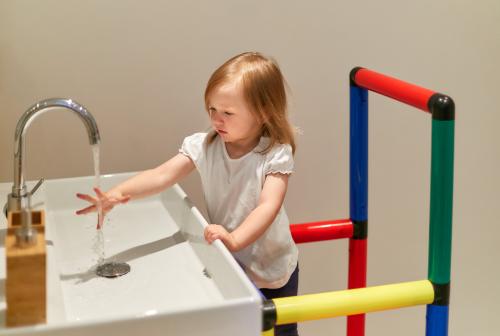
<point>353,301</point>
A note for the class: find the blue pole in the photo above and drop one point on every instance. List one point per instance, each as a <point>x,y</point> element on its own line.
<point>358,154</point>
<point>436,320</point>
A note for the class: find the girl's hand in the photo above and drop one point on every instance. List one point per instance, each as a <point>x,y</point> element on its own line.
<point>214,231</point>
<point>107,200</point>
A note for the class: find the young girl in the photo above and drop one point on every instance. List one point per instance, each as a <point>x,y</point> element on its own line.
<point>244,164</point>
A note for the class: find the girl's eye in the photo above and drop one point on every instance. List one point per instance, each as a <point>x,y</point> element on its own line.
<point>228,113</point>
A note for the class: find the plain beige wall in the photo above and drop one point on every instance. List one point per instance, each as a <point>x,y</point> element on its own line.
<point>140,67</point>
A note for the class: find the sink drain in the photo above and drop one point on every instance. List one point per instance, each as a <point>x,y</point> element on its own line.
<point>112,269</point>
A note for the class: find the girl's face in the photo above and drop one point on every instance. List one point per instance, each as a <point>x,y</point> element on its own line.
<point>231,117</point>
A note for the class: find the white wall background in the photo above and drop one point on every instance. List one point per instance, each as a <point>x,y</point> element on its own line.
<point>140,67</point>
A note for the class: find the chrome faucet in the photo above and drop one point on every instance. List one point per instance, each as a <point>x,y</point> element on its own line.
<point>19,198</point>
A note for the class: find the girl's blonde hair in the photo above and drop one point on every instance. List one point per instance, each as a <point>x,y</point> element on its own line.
<point>264,91</point>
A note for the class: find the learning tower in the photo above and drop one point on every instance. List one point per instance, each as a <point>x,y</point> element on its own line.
<point>359,299</point>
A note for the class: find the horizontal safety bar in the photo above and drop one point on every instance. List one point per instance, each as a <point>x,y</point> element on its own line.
<point>394,88</point>
<point>353,301</point>
<point>319,231</point>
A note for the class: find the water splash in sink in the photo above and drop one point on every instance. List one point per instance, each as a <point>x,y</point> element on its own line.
<point>110,269</point>
<point>98,245</point>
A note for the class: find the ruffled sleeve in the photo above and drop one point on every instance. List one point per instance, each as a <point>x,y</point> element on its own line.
<point>193,147</point>
<point>279,160</point>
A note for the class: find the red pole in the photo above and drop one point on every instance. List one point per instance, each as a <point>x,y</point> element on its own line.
<point>319,231</point>
<point>394,88</point>
<point>357,279</point>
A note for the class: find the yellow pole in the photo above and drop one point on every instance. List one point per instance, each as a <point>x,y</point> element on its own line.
<point>354,301</point>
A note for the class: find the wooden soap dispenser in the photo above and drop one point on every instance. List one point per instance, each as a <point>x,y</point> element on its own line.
<point>25,286</point>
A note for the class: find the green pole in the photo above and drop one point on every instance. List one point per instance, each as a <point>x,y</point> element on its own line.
<point>441,207</point>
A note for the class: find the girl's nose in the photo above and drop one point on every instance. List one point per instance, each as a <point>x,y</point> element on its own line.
<point>215,117</point>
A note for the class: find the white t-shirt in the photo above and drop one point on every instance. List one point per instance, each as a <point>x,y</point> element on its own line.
<point>232,189</point>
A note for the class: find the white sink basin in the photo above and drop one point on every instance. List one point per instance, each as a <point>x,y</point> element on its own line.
<point>178,284</point>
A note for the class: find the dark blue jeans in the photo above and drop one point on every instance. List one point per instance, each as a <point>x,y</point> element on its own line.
<point>290,289</point>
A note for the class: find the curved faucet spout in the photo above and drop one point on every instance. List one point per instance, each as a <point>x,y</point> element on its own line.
<point>19,191</point>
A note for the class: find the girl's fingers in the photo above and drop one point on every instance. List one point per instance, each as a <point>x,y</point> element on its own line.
<point>99,193</point>
<point>105,202</point>
<point>209,234</point>
<point>213,236</point>
<point>86,197</point>
<point>211,239</point>
<point>86,210</point>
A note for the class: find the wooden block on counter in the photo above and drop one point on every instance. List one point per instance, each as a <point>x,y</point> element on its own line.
<point>25,285</point>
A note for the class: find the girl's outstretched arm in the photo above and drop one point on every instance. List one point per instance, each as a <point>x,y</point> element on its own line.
<point>146,183</point>
<point>270,202</point>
